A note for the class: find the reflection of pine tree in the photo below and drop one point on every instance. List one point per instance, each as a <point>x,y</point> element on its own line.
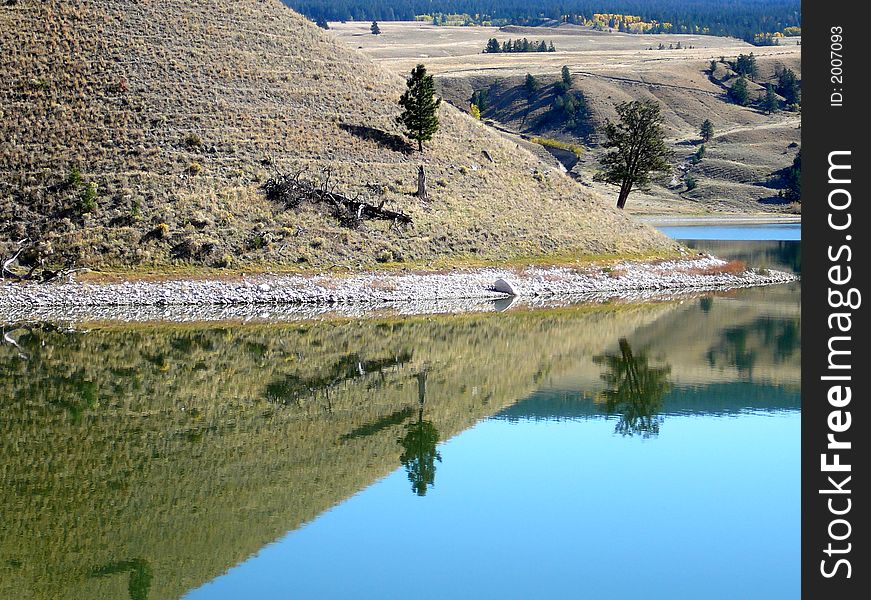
<point>139,583</point>
<point>419,453</point>
<point>635,390</point>
<point>419,445</point>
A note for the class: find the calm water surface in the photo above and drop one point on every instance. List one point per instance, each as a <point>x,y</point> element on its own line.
<point>600,451</point>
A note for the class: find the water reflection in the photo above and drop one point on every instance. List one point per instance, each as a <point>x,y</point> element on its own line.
<point>419,452</point>
<point>139,581</point>
<point>741,347</point>
<point>191,447</point>
<point>634,390</point>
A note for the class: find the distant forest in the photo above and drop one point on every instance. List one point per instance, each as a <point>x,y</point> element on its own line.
<point>743,19</point>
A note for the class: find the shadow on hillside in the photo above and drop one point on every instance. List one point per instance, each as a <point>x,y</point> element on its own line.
<point>774,200</point>
<point>390,141</point>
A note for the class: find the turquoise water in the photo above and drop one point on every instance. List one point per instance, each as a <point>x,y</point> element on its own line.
<point>599,451</point>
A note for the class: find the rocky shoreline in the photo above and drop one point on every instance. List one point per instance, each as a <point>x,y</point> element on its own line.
<point>354,293</point>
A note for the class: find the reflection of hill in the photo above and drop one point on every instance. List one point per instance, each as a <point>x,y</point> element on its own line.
<point>778,255</point>
<point>145,461</point>
<point>749,335</point>
<point>716,399</point>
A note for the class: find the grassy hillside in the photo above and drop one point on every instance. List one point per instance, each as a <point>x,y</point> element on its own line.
<point>740,163</point>
<point>139,133</point>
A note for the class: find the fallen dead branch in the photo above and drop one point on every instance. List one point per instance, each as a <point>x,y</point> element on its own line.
<point>293,190</point>
<point>37,271</point>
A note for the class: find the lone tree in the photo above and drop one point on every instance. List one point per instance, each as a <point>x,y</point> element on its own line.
<point>375,29</point>
<point>419,107</point>
<point>637,147</point>
<point>707,131</point>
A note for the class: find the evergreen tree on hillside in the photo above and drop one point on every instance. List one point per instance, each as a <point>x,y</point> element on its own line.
<point>738,93</point>
<point>637,147</point>
<point>322,23</point>
<point>792,179</point>
<point>707,131</point>
<point>788,86</point>
<point>374,28</point>
<point>745,65</point>
<point>770,103</point>
<point>493,46</point>
<point>419,107</point>
<point>531,84</point>
<point>566,77</point>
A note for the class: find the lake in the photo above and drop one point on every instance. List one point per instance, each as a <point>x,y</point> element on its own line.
<point>614,450</point>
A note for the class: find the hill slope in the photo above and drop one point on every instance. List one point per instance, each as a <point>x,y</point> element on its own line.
<point>178,111</point>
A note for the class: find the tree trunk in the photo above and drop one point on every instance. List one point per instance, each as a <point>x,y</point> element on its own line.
<point>421,183</point>
<point>624,194</point>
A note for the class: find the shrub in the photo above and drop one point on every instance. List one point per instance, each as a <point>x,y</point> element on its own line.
<point>74,179</point>
<point>161,231</point>
<point>224,262</point>
<point>194,168</point>
<point>88,199</point>
<point>576,149</point>
<point>691,182</point>
<point>192,141</point>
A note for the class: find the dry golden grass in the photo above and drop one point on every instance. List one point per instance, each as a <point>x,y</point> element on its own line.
<point>179,110</point>
<point>608,68</point>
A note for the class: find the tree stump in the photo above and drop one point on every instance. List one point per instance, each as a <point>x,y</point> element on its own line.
<point>421,183</point>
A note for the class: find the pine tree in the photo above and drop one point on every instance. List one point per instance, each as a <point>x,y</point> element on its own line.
<point>322,23</point>
<point>531,84</point>
<point>770,103</point>
<point>567,76</point>
<point>419,107</point>
<point>788,86</point>
<point>493,46</point>
<point>637,146</point>
<point>707,131</point>
<point>739,93</point>
<point>551,48</point>
<point>375,29</point>
<point>792,179</point>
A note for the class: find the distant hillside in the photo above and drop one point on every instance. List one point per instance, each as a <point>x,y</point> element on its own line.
<point>738,18</point>
<point>140,133</point>
<point>740,166</point>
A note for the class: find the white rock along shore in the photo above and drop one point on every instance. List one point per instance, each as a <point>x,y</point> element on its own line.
<point>625,280</point>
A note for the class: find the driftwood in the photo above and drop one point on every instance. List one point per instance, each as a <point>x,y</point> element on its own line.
<point>293,190</point>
